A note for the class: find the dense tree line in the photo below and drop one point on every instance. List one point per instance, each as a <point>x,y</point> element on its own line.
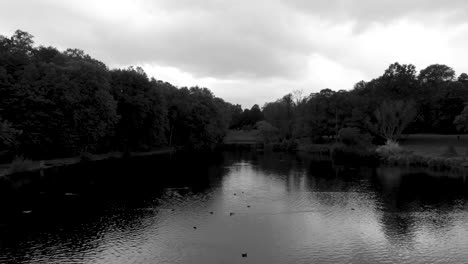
<point>245,119</point>
<point>399,101</point>
<point>55,104</point>
<point>60,103</point>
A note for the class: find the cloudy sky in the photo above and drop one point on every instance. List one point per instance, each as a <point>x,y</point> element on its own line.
<point>252,51</point>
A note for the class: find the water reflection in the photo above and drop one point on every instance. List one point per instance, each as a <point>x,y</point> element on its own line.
<point>278,208</point>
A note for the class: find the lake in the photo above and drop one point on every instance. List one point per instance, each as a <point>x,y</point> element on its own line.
<point>237,207</point>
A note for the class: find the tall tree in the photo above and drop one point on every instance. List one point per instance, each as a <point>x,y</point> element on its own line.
<point>393,117</point>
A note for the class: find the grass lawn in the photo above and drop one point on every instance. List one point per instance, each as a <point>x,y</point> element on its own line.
<point>435,145</point>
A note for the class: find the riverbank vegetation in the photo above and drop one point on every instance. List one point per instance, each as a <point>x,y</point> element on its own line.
<point>398,102</point>
<point>388,108</point>
<point>65,103</point>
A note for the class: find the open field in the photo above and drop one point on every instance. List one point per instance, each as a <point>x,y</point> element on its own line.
<point>435,145</point>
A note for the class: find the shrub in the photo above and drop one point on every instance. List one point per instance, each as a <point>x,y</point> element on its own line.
<point>351,136</point>
<point>8,135</point>
<point>391,147</point>
<point>20,164</point>
<point>318,140</point>
<point>352,155</point>
<point>450,152</point>
<point>86,156</point>
<point>267,132</point>
<point>285,145</point>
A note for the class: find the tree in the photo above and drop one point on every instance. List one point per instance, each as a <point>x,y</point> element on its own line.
<point>142,110</point>
<point>393,117</point>
<point>352,136</point>
<point>8,136</point>
<point>461,121</point>
<point>280,114</point>
<point>397,83</point>
<point>22,42</point>
<point>68,102</point>
<point>463,78</point>
<point>437,73</point>
<point>268,133</point>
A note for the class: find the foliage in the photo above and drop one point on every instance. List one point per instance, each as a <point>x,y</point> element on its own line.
<point>62,103</point>
<point>398,101</point>
<point>8,135</point>
<point>267,132</point>
<point>241,119</point>
<point>461,121</point>
<point>437,73</point>
<point>391,147</point>
<point>142,110</point>
<point>431,162</point>
<point>285,145</point>
<point>66,102</point>
<point>280,114</point>
<point>20,164</point>
<point>450,152</point>
<point>351,136</point>
<point>393,117</point>
<point>352,155</point>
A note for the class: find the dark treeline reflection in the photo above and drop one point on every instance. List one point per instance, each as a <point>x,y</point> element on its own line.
<point>287,207</point>
<point>130,180</point>
<point>60,103</point>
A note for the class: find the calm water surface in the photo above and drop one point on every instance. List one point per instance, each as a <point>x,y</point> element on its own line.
<point>276,208</point>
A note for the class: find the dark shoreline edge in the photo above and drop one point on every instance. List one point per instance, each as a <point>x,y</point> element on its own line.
<point>40,165</point>
<point>360,156</point>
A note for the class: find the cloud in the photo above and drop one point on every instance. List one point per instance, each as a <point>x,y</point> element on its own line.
<point>255,50</point>
<point>382,11</point>
<point>230,42</point>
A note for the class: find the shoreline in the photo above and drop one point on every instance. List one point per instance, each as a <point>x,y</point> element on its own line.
<point>37,165</point>
<point>408,159</point>
<point>324,151</point>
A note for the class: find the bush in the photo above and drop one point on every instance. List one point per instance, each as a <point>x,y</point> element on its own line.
<point>450,152</point>
<point>351,136</point>
<point>352,155</point>
<point>8,139</point>
<point>20,164</point>
<point>390,148</point>
<point>86,156</point>
<point>268,133</point>
<point>318,140</point>
<point>285,145</point>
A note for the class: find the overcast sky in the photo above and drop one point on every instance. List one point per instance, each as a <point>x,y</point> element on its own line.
<point>252,51</point>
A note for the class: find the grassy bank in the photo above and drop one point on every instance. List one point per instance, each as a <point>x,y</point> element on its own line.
<point>434,145</point>
<point>22,165</point>
<point>434,163</point>
<point>435,152</point>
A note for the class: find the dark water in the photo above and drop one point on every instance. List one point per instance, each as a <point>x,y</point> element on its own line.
<point>286,209</point>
